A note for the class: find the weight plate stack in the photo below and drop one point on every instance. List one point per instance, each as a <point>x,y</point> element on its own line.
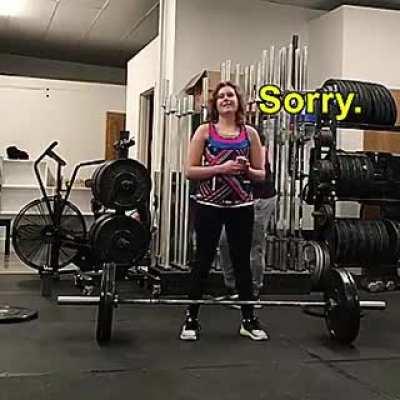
<point>377,103</point>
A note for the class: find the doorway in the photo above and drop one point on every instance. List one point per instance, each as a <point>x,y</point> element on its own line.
<point>145,134</point>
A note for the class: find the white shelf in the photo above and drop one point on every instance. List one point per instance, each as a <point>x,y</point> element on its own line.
<point>19,186</point>
<point>10,186</point>
<point>18,161</point>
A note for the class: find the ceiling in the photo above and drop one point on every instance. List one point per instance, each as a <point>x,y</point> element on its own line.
<point>101,32</point>
<point>331,4</point>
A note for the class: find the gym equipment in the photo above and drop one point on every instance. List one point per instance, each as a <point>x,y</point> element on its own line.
<point>50,233</point>
<point>10,314</point>
<point>369,178</point>
<point>121,184</point>
<point>341,305</point>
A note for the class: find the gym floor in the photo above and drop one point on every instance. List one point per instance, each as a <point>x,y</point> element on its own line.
<point>56,356</point>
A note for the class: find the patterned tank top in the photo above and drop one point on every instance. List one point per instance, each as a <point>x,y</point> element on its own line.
<point>225,190</point>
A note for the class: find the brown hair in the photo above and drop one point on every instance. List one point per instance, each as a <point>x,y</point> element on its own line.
<point>213,102</point>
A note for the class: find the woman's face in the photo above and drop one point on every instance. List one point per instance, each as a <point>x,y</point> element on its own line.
<point>227,101</point>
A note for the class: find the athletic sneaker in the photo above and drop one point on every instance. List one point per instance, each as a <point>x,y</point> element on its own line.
<point>251,328</point>
<point>190,329</point>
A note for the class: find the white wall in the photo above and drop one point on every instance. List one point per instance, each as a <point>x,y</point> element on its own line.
<point>143,72</point>
<point>326,39</point>
<point>371,49</point>
<point>35,112</point>
<point>209,31</point>
<point>11,64</point>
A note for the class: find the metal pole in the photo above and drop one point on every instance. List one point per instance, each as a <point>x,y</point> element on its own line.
<point>161,161</point>
<point>168,186</point>
<point>223,71</point>
<point>237,74</point>
<point>246,91</point>
<point>251,99</point>
<point>183,200</point>
<point>178,181</point>
<point>190,111</point>
<point>228,69</point>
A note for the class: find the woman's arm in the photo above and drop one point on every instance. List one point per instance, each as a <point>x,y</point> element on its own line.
<point>256,170</point>
<point>193,168</point>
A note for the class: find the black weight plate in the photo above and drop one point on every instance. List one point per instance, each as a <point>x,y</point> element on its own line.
<point>365,102</point>
<point>119,238</point>
<point>348,241</point>
<point>96,182</point>
<point>388,104</point>
<point>330,83</point>
<point>365,169</point>
<point>326,261</point>
<point>373,242</point>
<point>341,180</point>
<point>354,242</point>
<point>387,249</point>
<point>363,245</point>
<point>337,242</point>
<point>342,310</point>
<point>380,116</point>
<point>359,171</point>
<point>397,230</point>
<point>376,109</point>
<point>379,240</point>
<point>382,241</point>
<point>313,258</point>
<point>339,175</point>
<point>347,176</point>
<point>341,241</point>
<point>368,92</point>
<point>393,108</point>
<point>326,138</point>
<point>353,182</point>
<point>10,314</point>
<point>385,106</point>
<point>357,101</point>
<point>105,308</point>
<point>122,184</point>
<point>393,239</point>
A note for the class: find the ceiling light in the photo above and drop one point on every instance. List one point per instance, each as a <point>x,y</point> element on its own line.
<point>11,7</point>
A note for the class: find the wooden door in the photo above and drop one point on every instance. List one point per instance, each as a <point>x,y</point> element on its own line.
<point>114,125</point>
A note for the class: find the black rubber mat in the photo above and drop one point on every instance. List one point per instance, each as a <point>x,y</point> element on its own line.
<point>56,356</point>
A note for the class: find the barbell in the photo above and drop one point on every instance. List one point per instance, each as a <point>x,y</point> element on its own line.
<point>342,307</point>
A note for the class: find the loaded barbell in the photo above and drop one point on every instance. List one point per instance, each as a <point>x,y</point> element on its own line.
<point>341,304</point>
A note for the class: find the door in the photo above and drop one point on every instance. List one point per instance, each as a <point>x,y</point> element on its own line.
<point>114,125</point>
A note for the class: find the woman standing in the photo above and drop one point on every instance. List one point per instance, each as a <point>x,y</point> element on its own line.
<point>224,156</point>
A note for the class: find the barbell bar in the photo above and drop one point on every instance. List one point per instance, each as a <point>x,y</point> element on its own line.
<point>94,300</point>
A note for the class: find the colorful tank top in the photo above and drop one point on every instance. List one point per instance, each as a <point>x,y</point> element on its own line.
<point>225,190</point>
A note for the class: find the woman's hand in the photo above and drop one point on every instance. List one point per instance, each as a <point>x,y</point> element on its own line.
<point>231,167</point>
<point>244,162</point>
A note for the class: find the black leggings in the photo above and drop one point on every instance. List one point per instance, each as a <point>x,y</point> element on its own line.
<point>239,229</point>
